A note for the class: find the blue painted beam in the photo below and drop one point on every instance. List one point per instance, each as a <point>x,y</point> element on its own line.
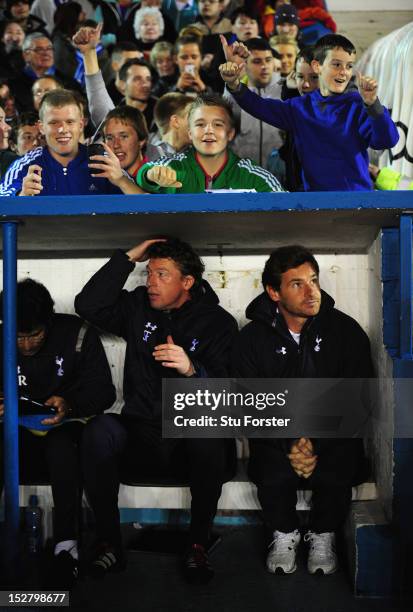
<point>10,429</point>
<point>205,203</point>
<point>406,287</point>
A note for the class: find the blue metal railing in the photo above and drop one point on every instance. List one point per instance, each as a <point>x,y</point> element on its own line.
<point>11,449</point>
<point>406,287</point>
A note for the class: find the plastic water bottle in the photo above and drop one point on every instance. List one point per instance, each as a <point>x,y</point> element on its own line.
<point>33,526</point>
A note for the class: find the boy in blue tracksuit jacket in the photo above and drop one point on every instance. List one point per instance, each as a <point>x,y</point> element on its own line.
<point>73,179</point>
<point>332,127</point>
<point>62,166</point>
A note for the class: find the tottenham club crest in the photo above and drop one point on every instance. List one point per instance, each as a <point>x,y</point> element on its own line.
<point>59,362</point>
<point>149,329</point>
<point>194,344</point>
<point>317,344</point>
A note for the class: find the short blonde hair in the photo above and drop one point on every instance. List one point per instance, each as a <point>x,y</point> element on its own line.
<point>279,39</point>
<point>158,49</point>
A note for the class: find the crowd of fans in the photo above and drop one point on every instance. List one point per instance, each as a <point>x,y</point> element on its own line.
<point>137,70</point>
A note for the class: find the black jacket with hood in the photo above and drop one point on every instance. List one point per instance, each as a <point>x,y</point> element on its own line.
<point>200,326</point>
<point>332,345</point>
<point>71,364</point>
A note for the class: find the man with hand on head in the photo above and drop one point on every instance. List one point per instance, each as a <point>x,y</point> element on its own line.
<point>332,127</point>
<point>173,327</point>
<point>61,364</point>
<point>61,166</point>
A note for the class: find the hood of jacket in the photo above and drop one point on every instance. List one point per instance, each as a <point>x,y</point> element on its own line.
<point>263,309</point>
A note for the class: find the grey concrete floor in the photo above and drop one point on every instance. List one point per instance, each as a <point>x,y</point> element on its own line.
<point>152,581</point>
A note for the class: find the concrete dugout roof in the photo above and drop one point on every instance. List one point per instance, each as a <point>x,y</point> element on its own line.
<point>239,223</point>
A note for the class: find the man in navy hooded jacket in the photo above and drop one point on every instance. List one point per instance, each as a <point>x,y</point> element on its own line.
<point>173,327</point>
<point>332,127</point>
<point>295,332</point>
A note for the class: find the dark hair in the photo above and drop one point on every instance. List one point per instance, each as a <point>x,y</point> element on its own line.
<point>131,116</point>
<point>246,12</point>
<point>213,99</point>
<point>121,46</point>
<point>58,98</point>
<point>169,104</point>
<point>259,44</point>
<point>66,18</point>
<point>184,256</point>
<point>306,55</point>
<point>26,118</point>
<point>34,305</point>
<point>187,40</point>
<point>123,72</point>
<point>332,41</point>
<point>4,25</point>
<point>283,259</point>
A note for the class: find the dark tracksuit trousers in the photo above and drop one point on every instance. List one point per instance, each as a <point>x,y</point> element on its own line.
<point>331,483</point>
<point>54,458</point>
<point>115,445</point>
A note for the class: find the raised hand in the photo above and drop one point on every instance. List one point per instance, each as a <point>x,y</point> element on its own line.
<point>87,38</point>
<point>235,56</point>
<point>237,52</point>
<point>367,88</point>
<point>163,176</point>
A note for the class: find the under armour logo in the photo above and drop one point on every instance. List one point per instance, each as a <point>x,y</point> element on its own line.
<point>281,351</point>
<point>59,362</point>
<point>194,344</point>
<point>317,344</point>
<point>151,326</point>
<point>93,187</point>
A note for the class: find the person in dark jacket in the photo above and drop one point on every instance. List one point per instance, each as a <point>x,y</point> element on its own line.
<point>38,55</point>
<point>173,327</point>
<point>117,17</point>
<point>295,332</point>
<point>62,365</point>
<point>11,56</point>
<point>19,10</point>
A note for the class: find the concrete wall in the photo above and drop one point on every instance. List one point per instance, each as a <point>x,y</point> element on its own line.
<point>368,5</point>
<point>381,444</point>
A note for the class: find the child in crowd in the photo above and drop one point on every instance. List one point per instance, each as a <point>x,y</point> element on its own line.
<point>332,127</point>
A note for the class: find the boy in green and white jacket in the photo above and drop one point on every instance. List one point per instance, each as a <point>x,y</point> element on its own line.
<point>209,163</point>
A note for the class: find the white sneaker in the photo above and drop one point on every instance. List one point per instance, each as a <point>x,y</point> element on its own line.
<point>282,552</point>
<point>322,554</point>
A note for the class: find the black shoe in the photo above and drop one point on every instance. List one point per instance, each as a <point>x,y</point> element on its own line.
<point>197,568</point>
<point>64,571</point>
<point>107,560</point>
